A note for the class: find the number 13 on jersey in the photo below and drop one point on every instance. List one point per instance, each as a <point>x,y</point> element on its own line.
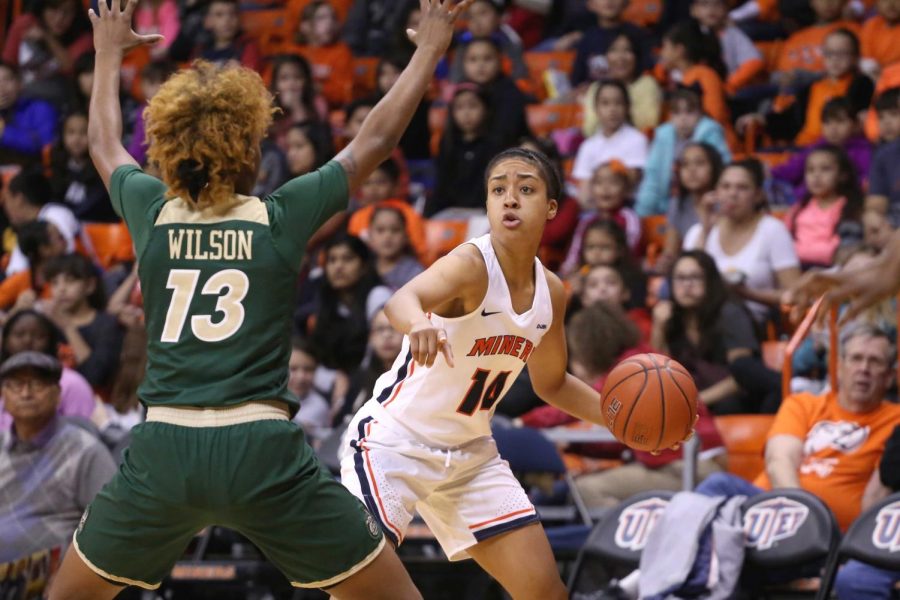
<point>183,283</point>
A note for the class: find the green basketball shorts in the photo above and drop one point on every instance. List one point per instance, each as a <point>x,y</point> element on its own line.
<point>258,478</point>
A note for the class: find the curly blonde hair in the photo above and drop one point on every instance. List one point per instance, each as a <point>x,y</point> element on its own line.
<point>204,127</point>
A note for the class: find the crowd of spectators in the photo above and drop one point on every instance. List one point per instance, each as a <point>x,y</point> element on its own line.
<point>715,151</point>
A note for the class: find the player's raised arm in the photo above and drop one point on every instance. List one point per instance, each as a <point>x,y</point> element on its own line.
<point>113,37</point>
<point>549,361</point>
<point>452,286</point>
<point>384,126</point>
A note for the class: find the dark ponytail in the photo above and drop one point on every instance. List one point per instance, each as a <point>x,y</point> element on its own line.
<point>193,176</point>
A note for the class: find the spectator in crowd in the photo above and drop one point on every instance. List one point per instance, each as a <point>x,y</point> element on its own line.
<point>691,57</point>
<point>223,41</point>
<point>830,444</point>
<point>686,124</point>
<point>385,343</point>
<point>615,138</point>
<point>44,44</point>
<point>590,61</point>
<point>485,20</point>
<point>273,169</point>
<point>39,242</point>
<point>861,581</point>
<point>416,140</point>
<point>158,16</point>
<point>26,124</point>
<point>697,171</point>
<point>828,216</point>
<point>481,65</point>
<point>742,59</point>
<point>887,108</point>
<point>30,331</point>
<point>83,82</point>
<point>467,146</point>
<point>625,62</point>
<point>315,411</point>
<point>877,230</point>
<point>606,283</point>
<point>607,195</point>
<point>371,23</point>
<point>153,75</point>
<point>878,36</point>
<point>295,94</point>
<point>884,182</point>
<point>27,198</point>
<point>797,113</point>
<point>752,249</point>
<point>708,331</point>
<point>74,180</point>
<point>76,307</point>
<point>395,259</point>
<point>318,39</point>
<point>305,148</point>
<point>49,469</point>
<point>840,127</point>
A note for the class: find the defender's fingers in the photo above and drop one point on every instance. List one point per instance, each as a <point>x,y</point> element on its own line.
<point>103,7</point>
<point>93,16</point>
<point>459,8</point>
<point>150,39</point>
<point>130,6</point>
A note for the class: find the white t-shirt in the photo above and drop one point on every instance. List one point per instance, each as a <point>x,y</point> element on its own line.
<point>627,145</point>
<point>771,249</point>
<point>65,222</point>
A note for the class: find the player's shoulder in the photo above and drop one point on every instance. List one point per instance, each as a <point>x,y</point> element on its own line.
<point>468,259</point>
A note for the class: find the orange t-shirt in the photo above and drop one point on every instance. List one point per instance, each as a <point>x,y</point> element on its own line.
<point>332,69</point>
<point>415,224</point>
<point>879,41</point>
<point>714,102</point>
<point>14,285</point>
<point>819,94</point>
<point>841,449</point>
<point>803,50</point>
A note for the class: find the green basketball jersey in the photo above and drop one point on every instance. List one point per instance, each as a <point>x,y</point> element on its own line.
<point>219,284</point>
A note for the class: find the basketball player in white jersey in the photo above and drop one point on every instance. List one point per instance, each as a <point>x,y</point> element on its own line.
<point>423,442</point>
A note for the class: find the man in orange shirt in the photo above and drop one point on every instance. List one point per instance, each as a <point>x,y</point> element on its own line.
<point>830,445</point>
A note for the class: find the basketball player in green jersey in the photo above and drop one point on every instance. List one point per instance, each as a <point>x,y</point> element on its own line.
<point>218,271</point>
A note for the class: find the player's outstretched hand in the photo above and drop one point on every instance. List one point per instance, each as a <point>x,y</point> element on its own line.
<point>112,27</point>
<point>426,341</point>
<point>437,23</point>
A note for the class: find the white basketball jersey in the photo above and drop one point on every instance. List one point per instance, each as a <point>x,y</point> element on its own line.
<point>446,406</point>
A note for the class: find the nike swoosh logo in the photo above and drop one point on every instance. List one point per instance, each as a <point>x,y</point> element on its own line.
<point>484,313</point>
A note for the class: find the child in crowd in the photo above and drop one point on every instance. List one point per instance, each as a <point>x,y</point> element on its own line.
<point>840,128</point>
<point>74,179</point>
<point>609,189</point>
<point>877,230</point>
<point>380,189</point>
<point>76,307</point>
<point>691,57</point>
<point>743,60</point>
<point>306,149</point>
<point>797,117</point>
<point>485,20</point>
<point>294,91</point>
<point>590,60</point>
<point>153,75</point>
<point>686,124</point>
<point>481,65</point>
<point>224,42</point>
<point>40,242</point>
<point>879,38</point>
<point>466,148</point>
<point>829,215</point>
<point>314,415</point>
<point>801,60</point>
<point>887,107</point>
<point>395,259</point>
<point>697,171</point>
<point>615,139</point>
<point>415,143</point>
<point>318,39</point>
<point>605,283</point>
<point>158,16</point>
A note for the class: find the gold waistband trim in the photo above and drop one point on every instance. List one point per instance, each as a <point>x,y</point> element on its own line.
<point>191,416</point>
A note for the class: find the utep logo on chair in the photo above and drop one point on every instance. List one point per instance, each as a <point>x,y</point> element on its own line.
<point>637,521</point>
<point>886,535</point>
<point>771,521</point>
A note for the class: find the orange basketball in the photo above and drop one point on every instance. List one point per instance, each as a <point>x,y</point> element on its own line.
<point>649,402</point>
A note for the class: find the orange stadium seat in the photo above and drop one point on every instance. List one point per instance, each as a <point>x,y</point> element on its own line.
<point>543,119</point>
<point>770,52</point>
<point>108,243</point>
<point>437,119</point>
<point>745,442</point>
<point>653,235</point>
<point>539,62</point>
<point>643,13</point>
<point>442,236</point>
<point>365,71</point>
<point>269,27</point>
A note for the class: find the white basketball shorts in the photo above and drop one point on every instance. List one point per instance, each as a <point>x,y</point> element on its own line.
<point>465,494</point>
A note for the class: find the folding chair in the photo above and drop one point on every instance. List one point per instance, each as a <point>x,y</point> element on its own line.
<point>615,544</point>
<point>787,530</point>
<point>873,539</point>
